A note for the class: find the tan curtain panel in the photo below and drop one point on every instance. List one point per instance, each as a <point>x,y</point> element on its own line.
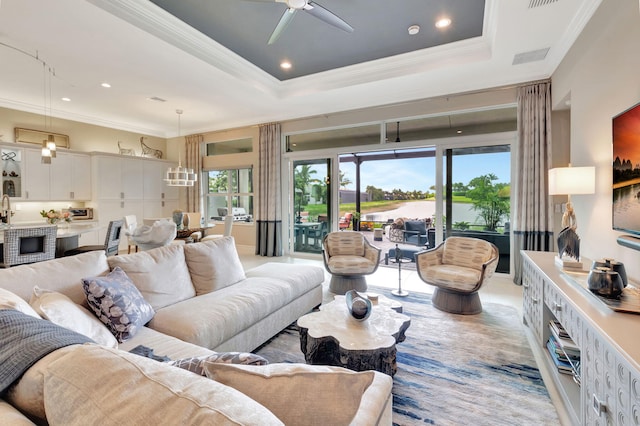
<point>532,222</point>
<point>269,212</point>
<point>194,161</point>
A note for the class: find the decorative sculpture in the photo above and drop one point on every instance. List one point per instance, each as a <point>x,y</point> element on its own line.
<point>125,151</point>
<point>147,151</point>
<point>569,243</point>
<point>568,240</point>
<point>161,233</point>
<point>360,307</point>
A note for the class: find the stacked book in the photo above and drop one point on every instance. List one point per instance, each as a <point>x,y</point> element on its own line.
<point>564,352</point>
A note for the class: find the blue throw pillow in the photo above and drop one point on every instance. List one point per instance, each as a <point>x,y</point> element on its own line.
<point>117,303</point>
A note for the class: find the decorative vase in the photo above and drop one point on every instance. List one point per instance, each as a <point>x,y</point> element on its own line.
<point>177,218</point>
<point>359,307</point>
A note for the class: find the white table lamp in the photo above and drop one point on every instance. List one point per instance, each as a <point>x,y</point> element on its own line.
<point>571,181</point>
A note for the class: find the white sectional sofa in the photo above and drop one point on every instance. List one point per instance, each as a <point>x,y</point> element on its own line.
<point>202,302</point>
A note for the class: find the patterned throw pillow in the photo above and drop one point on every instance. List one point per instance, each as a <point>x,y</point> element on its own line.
<point>117,303</point>
<point>197,364</point>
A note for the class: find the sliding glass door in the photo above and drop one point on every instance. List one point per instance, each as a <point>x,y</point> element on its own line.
<point>477,196</point>
<point>310,210</point>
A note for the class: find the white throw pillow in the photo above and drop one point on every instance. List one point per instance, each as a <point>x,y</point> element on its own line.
<point>98,385</point>
<point>9,300</point>
<point>160,274</point>
<point>298,394</point>
<point>60,310</point>
<point>213,264</point>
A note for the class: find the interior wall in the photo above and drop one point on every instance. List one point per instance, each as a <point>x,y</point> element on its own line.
<point>82,137</point>
<point>600,77</point>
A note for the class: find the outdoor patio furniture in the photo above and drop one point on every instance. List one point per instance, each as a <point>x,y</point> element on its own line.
<point>345,221</point>
<point>415,232</point>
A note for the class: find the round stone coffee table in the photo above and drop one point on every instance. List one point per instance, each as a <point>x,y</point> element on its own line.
<point>331,336</point>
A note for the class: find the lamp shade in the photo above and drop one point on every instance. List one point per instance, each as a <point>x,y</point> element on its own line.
<point>572,180</point>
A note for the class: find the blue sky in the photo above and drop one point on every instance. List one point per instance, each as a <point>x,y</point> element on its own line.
<point>419,173</point>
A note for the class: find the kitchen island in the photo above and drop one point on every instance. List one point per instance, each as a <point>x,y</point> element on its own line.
<point>67,235</point>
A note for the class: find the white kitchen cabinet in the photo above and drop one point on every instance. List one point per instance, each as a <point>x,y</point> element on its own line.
<point>37,176</point>
<point>155,188</point>
<point>70,177</point>
<point>131,186</point>
<point>117,178</point>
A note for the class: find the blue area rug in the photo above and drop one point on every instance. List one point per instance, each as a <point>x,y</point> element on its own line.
<point>455,369</point>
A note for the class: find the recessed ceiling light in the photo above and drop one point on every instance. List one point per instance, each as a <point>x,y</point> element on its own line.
<point>66,99</point>
<point>414,29</point>
<point>443,23</point>
<point>107,85</point>
<point>459,131</point>
<point>285,65</point>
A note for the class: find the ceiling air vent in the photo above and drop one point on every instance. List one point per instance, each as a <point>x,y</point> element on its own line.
<point>531,56</point>
<point>538,3</point>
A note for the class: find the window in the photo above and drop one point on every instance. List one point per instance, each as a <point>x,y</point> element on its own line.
<point>230,192</point>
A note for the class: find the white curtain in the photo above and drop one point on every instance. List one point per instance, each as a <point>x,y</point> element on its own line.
<point>194,161</point>
<point>269,213</point>
<point>533,221</point>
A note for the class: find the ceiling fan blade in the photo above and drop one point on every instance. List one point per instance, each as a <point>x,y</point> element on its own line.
<point>286,19</point>
<point>325,15</point>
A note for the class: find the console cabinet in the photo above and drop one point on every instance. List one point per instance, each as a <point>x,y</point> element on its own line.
<point>607,389</point>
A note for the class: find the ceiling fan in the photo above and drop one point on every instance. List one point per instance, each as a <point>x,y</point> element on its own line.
<point>313,8</point>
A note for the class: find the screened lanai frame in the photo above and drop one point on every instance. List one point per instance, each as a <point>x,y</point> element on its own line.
<point>505,133</point>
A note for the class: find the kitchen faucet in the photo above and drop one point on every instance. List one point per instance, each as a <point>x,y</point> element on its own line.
<point>6,213</point>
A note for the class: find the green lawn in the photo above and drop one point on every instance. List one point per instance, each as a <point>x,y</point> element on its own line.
<point>369,206</point>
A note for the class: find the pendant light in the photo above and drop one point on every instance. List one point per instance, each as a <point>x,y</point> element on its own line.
<point>180,176</point>
<point>48,145</point>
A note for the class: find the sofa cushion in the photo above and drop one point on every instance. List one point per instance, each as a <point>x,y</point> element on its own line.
<point>98,385</point>
<point>453,277</point>
<point>160,274</point>
<point>348,265</point>
<point>59,309</point>
<point>27,394</point>
<point>10,416</point>
<point>213,264</point>
<point>299,275</point>
<point>9,300</point>
<point>163,344</point>
<point>211,319</point>
<point>345,243</point>
<point>117,303</point>
<point>298,394</point>
<point>467,252</point>
<point>63,275</point>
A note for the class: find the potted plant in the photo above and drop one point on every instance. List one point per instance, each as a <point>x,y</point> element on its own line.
<point>355,220</point>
